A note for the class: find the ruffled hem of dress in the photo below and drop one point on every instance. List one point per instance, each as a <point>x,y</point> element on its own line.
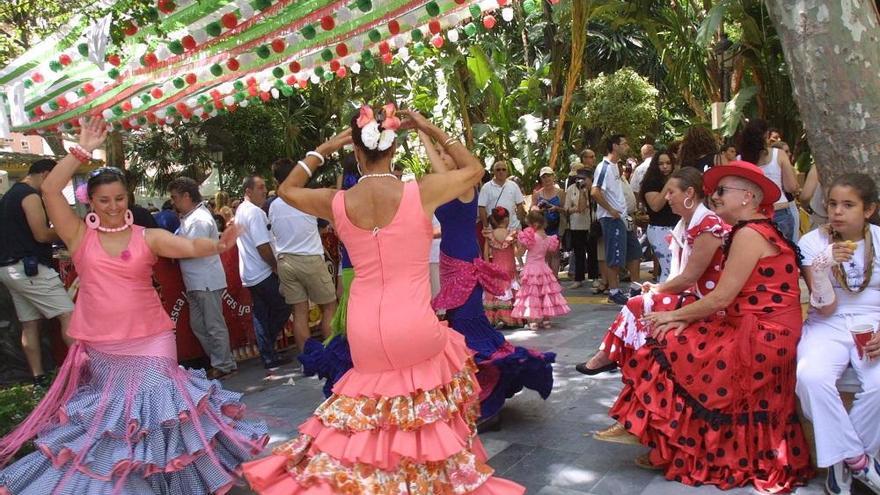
<point>514,369</point>
<point>329,361</point>
<point>678,429</point>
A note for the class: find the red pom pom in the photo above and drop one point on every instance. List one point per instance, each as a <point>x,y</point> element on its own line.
<point>327,23</point>
<point>437,41</point>
<point>151,117</point>
<point>38,111</point>
<point>252,90</point>
<point>232,64</point>
<point>37,77</point>
<point>341,72</point>
<point>181,107</point>
<point>278,45</point>
<point>61,101</point>
<point>342,49</point>
<point>502,3</point>
<point>88,88</point>
<point>460,2</point>
<point>489,21</point>
<point>166,6</point>
<point>291,81</point>
<point>303,83</point>
<point>251,81</point>
<point>294,67</point>
<point>129,28</point>
<point>114,60</point>
<point>434,26</point>
<point>188,42</point>
<point>265,96</point>
<point>64,59</point>
<point>126,106</point>
<point>156,93</point>
<point>387,58</point>
<point>150,59</point>
<point>334,65</point>
<point>384,48</point>
<point>229,20</point>
<point>190,78</point>
<point>394,27</point>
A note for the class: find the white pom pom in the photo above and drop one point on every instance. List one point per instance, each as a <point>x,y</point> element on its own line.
<point>356,68</point>
<point>275,93</point>
<point>507,14</point>
<point>107,113</point>
<point>229,100</point>
<point>244,103</point>
<point>452,35</point>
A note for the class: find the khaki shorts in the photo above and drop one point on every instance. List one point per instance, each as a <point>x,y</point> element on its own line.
<point>305,278</point>
<point>37,297</point>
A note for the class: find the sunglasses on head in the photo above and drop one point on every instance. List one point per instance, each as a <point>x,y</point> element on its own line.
<point>720,190</point>
<point>107,170</point>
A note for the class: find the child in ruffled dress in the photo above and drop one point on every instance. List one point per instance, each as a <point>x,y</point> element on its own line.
<point>540,295</point>
<point>500,250</point>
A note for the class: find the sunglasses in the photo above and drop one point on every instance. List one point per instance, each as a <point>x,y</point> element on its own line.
<point>720,190</point>
<point>501,170</point>
<point>107,170</point>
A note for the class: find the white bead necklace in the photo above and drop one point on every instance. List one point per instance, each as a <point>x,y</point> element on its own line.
<point>375,175</point>
<point>113,229</point>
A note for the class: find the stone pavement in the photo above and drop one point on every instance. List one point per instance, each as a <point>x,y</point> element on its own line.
<point>544,445</point>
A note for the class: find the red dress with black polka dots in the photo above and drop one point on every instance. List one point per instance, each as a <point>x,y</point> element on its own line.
<point>717,404</point>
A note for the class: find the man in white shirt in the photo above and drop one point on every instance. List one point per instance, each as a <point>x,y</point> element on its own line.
<point>258,268</point>
<point>204,278</point>
<point>621,244</point>
<point>639,173</point>
<point>500,191</point>
<point>577,206</point>
<point>301,266</point>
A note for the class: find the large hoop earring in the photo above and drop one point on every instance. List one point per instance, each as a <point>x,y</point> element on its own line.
<point>129,218</point>
<point>358,165</point>
<point>693,203</point>
<point>92,220</point>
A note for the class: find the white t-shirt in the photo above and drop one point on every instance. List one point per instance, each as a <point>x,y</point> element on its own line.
<point>508,196</point>
<point>815,242</point>
<point>434,257</point>
<point>295,232</point>
<point>638,175</point>
<point>255,232</point>
<point>201,273</point>
<point>607,178</point>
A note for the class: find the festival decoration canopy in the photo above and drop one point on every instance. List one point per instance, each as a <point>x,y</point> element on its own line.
<point>199,58</point>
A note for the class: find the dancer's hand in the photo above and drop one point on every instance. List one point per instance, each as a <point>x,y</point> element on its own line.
<point>335,143</point>
<point>843,251</point>
<point>414,120</point>
<point>228,237</point>
<point>659,331</point>
<point>872,348</point>
<point>648,287</point>
<point>92,134</point>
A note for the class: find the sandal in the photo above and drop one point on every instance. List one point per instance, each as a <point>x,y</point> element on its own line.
<point>644,461</point>
<point>546,324</point>
<point>616,433</point>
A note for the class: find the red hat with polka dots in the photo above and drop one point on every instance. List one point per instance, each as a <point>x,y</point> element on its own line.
<point>744,170</point>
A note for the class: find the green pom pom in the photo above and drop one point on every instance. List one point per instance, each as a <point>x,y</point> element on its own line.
<point>195,118</point>
<point>170,111</point>
<point>28,83</point>
<point>80,92</point>
<point>366,55</point>
<point>142,120</point>
<point>83,49</point>
<point>328,76</point>
<point>54,106</point>
<point>202,99</point>
<point>470,29</point>
<point>529,6</point>
<point>175,47</point>
<point>178,83</point>
<point>326,55</point>
<point>213,29</point>
<point>116,110</point>
<point>308,32</point>
<point>238,85</point>
<point>216,70</point>
<point>374,35</point>
<point>113,73</point>
<point>239,97</point>
<point>417,35</point>
<point>55,65</point>
<point>433,9</point>
<point>370,63</point>
<point>152,14</point>
<point>319,71</point>
<point>146,98</point>
<point>287,91</point>
<point>365,5</point>
<point>31,114</point>
<point>419,48</point>
<point>261,4</point>
<point>263,51</point>
<point>278,72</point>
<point>209,107</point>
<point>475,11</point>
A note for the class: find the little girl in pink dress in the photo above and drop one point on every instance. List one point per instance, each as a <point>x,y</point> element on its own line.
<point>500,245</point>
<point>540,295</point>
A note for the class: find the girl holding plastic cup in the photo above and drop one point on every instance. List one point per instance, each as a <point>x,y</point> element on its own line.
<point>842,267</point>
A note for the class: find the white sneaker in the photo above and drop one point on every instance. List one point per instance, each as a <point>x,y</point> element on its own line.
<point>870,475</point>
<point>839,480</point>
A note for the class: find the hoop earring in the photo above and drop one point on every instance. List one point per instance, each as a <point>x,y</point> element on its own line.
<point>358,165</point>
<point>129,218</point>
<point>693,203</point>
<point>92,220</point>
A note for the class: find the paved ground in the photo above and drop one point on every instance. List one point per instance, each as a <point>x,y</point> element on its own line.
<point>544,445</point>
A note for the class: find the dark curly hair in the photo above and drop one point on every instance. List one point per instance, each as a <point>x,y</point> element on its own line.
<point>372,155</point>
<point>864,187</point>
<point>499,213</point>
<point>697,143</point>
<point>751,140</point>
<point>653,174</point>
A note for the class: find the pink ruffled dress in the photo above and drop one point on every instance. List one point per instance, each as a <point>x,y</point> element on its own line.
<point>403,419</point>
<point>540,295</point>
<point>498,308</point>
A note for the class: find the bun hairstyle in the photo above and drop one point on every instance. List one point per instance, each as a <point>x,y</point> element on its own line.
<point>374,131</point>
<point>499,214</point>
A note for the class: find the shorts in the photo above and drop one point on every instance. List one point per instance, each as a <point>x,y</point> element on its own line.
<point>37,297</point>
<point>621,245</point>
<point>305,277</point>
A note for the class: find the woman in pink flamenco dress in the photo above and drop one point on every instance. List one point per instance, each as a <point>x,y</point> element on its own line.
<point>540,295</point>
<point>403,419</point>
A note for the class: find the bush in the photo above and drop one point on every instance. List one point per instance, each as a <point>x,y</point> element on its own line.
<point>16,403</point>
<point>621,103</point>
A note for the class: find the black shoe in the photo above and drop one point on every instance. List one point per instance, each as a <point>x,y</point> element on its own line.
<point>618,298</point>
<point>281,361</point>
<point>582,368</point>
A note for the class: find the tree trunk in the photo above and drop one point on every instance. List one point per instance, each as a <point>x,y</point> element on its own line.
<point>115,152</point>
<point>579,15</point>
<point>833,50</point>
<point>56,144</point>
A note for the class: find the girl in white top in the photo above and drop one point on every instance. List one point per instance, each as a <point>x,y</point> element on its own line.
<point>842,268</point>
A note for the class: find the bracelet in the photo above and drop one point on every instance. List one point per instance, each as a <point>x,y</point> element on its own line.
<point>80,154</point>
<point>306,167</point>
<point>449,142</point>
<point>316,155</point>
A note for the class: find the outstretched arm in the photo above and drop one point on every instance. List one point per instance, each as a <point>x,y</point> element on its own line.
<point>317,202</point>
<point>68,226</point>
<point>163,243</point>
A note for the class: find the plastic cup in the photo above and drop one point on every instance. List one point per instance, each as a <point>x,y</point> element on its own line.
<point>862,334</point>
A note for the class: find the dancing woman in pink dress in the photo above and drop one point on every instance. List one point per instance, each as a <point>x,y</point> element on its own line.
<point>122,416</point>
<point>540,295</point>
<point>403,419</point>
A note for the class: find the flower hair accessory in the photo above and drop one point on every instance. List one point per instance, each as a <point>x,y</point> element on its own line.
<point>82,193</point>
<point>378,130</point>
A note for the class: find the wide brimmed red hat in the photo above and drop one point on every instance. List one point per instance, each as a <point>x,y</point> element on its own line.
<point>747,171</point>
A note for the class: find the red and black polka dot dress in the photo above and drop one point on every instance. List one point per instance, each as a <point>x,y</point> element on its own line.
<point>717,404</point>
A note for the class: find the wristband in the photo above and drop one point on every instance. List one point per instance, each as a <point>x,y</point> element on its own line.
<point>317,155</point>
<point>306,167</point>
<point>80,154</point>
<point>449,142</point>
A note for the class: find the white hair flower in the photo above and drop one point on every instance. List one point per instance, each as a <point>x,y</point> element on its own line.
<point>370,135</point>
<point>386,139</point>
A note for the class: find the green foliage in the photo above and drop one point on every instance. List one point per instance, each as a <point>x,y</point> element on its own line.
<point>16,402</point>
<point>155,158</point>
<point>623,102</point>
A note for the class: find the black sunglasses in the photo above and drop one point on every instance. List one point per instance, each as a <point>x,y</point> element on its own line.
<point>720,190</point>
<point>107,170</point>
<point>501,170</point>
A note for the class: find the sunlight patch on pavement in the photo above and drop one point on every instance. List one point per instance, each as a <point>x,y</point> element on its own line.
<point>600,299</point>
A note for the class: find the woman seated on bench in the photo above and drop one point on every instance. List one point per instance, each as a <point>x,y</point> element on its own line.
<point>842,268</point>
